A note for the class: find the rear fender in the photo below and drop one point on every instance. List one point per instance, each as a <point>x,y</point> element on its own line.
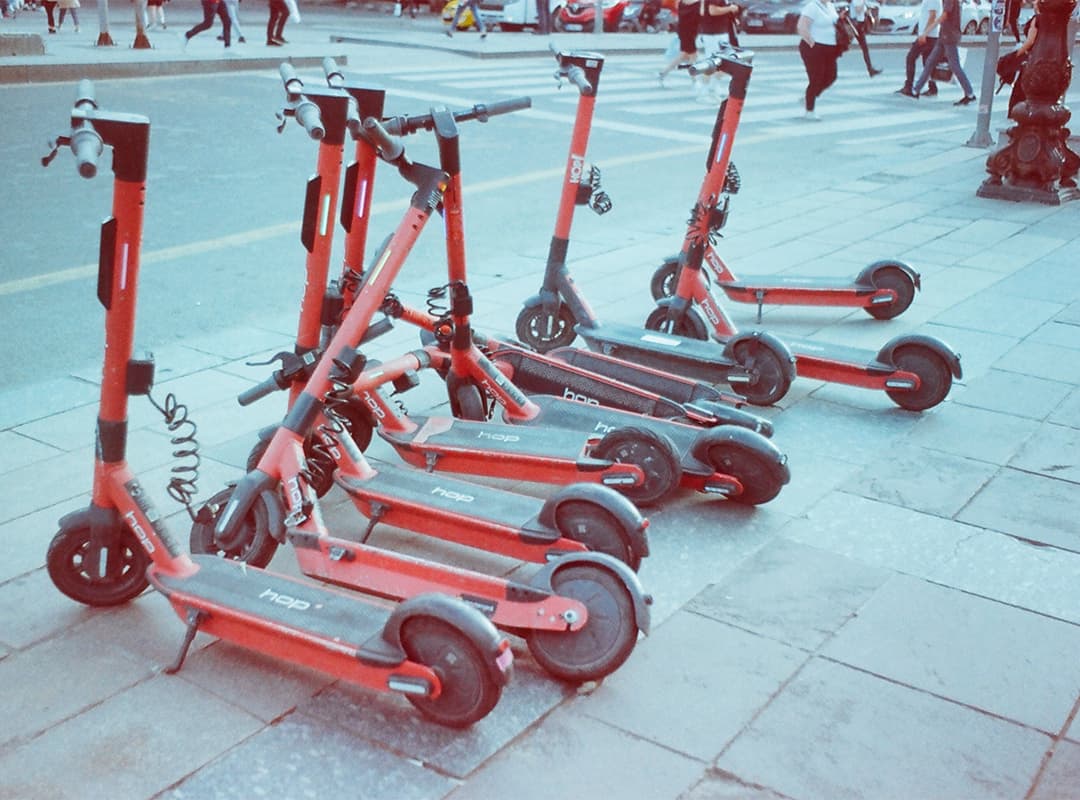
<point>770,340</point>
<point>866,277</point>
<point>625,513</point>
<point>887,353</point>
<point>642,601</point>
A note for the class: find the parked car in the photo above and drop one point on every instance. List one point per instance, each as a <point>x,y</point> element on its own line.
<point>772,16</point>
<point>514,15</point>
<point>580,15</point>
<point>898,16</point>
<point>974,17</point>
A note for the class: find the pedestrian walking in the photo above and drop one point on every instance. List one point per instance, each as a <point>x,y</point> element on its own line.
<point>232,9</point>
<point>210,9</point>
<point>275,24</point>
<point>817,48</point>
<point>66,7</point>
<point>717,29</point>
<point>929,11</point>
<point>1012,18</point>
<point>687,32</point>
<point>155,10</point>
<point>474,7</point>
<point>50,13</point>
<point>860,20</point>
<point>947,47</point>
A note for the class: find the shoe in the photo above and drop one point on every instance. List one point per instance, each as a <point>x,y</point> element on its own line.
<point>483,35</point>
<point>931,92</point>
<point>76,29</point>
<point>242,40</point>
<point>221,38</point>
<point>449,33</point>
<point>660,79</point>
<point>281,40</point>
<point>52,30</point>
<point>963,101</point>
<point>184,43</point>
<point>273,43</point>
<point>875,71</point>
<point>812,116</point>
<point>906,92</point>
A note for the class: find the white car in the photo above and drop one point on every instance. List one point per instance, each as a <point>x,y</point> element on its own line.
<point>514,15</point>
<point>975,17</point>
<point>898,16</point>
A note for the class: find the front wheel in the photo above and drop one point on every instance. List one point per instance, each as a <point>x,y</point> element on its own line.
<point>252,543</point>
<point>544,331</point>
<point>466,402</point>
<point>662,283</point>
<point>761,477</point>
<point>606,640</point>
<point>935,378</point>
<point>596,529</point>
<point>768,377</point>
<point>689,324</point>
<point>72,573</point>
<point>901,284</point>
<point>655,456</point>
<point>469,692</point>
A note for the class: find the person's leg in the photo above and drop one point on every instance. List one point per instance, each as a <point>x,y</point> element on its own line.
<point>928,66</point>
<point>829,57</point>
<point>63,16</point>
<point>279,22</point>
<point>860,36</point>
<point>910,60</point>
<point>50,12</point>
<point>208,7</point>
<point>226,23</point>
<point>952,55</point>
<point>806,52</point>
<point>474,5</point>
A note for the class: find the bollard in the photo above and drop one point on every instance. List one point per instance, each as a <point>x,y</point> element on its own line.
<point>1036,163</point>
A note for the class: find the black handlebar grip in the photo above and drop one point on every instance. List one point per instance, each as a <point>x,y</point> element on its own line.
<point>576,76</point>
<point>260,390</point>
<point>334,76</point>
<point>307,114</point>
<point>87,146</point>
<point>389,148</point>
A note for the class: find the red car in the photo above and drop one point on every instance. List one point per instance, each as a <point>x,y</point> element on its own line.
<point>580,15</point>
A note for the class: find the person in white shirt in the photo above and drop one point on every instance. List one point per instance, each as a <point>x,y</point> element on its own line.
<point>862,27</point>
<point>817,47</point>
<point>923,44</point>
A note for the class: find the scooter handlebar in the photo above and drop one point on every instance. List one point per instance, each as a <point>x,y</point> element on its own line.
<point>87,146</point>
<point>334,76</point>
<point>274,383</point>
<point>291,81</point>
<point>403,126</point>
<point>390,149</point>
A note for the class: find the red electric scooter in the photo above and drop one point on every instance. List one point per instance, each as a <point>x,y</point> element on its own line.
<point>915,371</point>
<point>580,614</point>
<point>728,461</point>
<point>757,365</point>
<point>441,653</point>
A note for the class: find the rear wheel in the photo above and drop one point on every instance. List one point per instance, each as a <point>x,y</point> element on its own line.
<point>252,542</point>
<point>543,331</point>
<point>690,324</point>
<point>935,378</point>
<point>606,640</point>
<point>655,456</point>
<point>761,477</point>
<point>123,578</point>
<point>469,691</point>
<point>901,284</point>
<point>768,377</point>
<point>596,529</point>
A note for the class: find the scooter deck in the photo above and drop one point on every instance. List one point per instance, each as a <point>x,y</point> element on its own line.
<point>226,588</point>
<point>781,282</point>
<point>701,360</point>
<point>437,497</point>
<point>811,356</point>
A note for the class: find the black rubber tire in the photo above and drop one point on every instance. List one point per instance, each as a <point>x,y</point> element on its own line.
<point>770,381</point>
<point>360,428</point>
<point>257,546</point>
<point>690,324</point>
<point>762,478</point>
<point>606,640</point>
<point>469,691</point>
<point>598,530</point>
<point>543,332</point>
<point>654,455</point>
<point>64,563</point>
<point>466,402</point>
<point>662,283</point>
<point>901,283</point>
<point>934,374</point>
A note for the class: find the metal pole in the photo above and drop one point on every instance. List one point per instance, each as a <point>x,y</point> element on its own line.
<point>981,137</point>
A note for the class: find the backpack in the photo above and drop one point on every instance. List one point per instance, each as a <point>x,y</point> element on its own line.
<point>845,32</point>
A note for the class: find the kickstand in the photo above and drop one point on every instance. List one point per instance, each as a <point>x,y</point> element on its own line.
<point>377,511</point>
<point>194,619</point>
<point>760,300</point>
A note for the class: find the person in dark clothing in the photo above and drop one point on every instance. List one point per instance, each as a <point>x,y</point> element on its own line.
<point>1012,18</point>
<point>210,8</point>
<point>860,19</point>
<point>689,16</point>
<point>924,43</point>
<point>818,50</point>
<point>947,47</point>
<point>717,28</point>
<point>275,25</point>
